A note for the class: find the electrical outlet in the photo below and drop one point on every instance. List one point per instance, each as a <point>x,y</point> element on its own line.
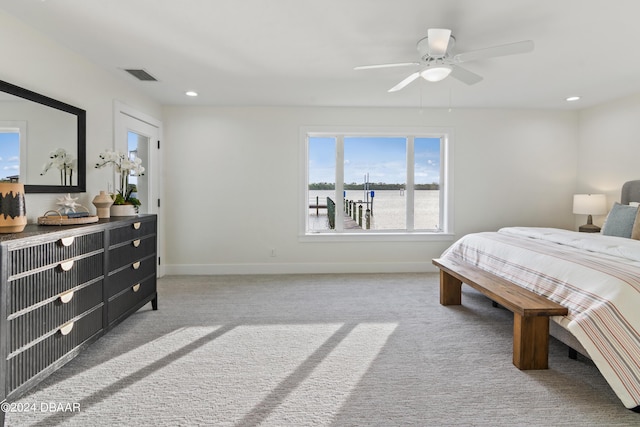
<point>273,252</point>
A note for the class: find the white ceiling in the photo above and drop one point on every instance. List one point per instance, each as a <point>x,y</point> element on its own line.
<point>302,52</point>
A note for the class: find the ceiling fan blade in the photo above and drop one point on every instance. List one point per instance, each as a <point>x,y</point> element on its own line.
<point>399,64</point>
<point>464,75</point>
<point>491,52</point>
<point>405,82</point>
<point>438,39</point>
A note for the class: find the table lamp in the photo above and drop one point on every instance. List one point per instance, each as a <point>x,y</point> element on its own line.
<point>589,204</point>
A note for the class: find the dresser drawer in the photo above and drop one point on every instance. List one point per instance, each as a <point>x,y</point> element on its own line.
<point>24,365</point>
<point>32,289</point>
<point>131,251</point>
<point>33,257</point>
<point>132,231</point>
<point>131,274</point>
<point>57,311</point>
<point>129,298</point>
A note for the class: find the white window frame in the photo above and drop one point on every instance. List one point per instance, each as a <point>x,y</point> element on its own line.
<point>446,232</point>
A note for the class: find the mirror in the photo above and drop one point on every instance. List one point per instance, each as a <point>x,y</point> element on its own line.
<point>42,142</point>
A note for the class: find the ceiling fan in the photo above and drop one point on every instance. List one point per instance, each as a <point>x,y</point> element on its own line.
<point>437,60</point>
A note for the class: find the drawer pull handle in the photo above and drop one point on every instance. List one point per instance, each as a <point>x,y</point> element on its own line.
<point>136,288</point>
<point>66,297</point>
<point>136,243</point>
<point>136,225</point>
<point>66,266</point>
<point>136,265</point>
<point>67,241</point>
<point>66,328</point>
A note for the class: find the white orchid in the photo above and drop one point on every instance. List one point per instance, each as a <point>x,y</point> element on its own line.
<point>124,166</point>
<point>134,166</point>
<point>62,161</point>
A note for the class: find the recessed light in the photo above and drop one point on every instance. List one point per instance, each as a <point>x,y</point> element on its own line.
<point>572,98</point>
<point>191,93</point>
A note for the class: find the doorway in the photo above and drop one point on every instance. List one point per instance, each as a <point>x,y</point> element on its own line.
<point>139,135</point>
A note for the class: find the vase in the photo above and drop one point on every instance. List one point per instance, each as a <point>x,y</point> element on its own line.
<point>103,202</point>
<point>13,212</point>
<point>123,210</point>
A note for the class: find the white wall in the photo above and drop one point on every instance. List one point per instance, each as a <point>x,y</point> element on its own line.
<point>511,168</point>
<point>231,184</point>
<point>32,61</point>
<point>609,148</point>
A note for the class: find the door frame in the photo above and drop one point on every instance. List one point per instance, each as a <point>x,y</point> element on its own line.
<point>120,143</point>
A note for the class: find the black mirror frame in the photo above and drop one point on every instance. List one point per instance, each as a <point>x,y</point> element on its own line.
<point>82,138</point>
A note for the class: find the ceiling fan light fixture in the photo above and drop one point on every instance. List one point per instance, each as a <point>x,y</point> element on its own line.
<point>436,73</point>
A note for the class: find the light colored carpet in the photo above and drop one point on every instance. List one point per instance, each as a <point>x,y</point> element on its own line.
<point>310,350</point>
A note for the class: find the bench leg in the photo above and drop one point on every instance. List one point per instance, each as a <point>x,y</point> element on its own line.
<point>450,289</point>
<point>530,342</point>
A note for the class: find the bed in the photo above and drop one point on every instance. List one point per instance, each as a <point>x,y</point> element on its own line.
<point>596,276</point>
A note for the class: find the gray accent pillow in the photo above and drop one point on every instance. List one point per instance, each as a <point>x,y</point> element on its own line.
<point>620,220</point>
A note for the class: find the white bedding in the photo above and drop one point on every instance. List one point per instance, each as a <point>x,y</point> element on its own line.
<point>596,277</point>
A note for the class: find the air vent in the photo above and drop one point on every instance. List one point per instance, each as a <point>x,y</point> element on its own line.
<point>141,75</point>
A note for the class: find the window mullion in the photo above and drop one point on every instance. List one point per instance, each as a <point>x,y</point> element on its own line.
<point>339,198</point>
<point>409,194</point>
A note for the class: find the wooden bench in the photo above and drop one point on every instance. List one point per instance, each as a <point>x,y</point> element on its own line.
<point>530,311</point>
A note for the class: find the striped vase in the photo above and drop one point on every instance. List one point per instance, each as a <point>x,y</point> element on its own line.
<point>13,213</point>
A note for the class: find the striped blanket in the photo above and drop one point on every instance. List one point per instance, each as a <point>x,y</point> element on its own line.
<point>596,277</point>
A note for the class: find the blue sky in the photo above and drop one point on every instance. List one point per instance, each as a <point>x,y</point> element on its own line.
<point>383,158</point>
<point>9,154</point>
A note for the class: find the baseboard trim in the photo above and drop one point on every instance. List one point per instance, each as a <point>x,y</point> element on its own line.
<point>298,268</point>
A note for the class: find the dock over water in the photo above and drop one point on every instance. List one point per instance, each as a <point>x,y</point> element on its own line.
<point>348,224</point>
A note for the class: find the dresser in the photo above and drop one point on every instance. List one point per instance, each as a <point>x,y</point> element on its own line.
<point>64,287</point>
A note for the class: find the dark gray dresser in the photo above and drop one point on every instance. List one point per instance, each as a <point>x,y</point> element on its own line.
<point>64,287</point>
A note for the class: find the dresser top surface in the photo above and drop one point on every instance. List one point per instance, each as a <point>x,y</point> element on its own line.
<point>34,231</point>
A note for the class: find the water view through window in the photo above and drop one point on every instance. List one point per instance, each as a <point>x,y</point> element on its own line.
<point>389,182</point>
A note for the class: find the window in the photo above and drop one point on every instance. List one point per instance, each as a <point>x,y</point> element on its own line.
<point>394,182</point>
<point>9,154</point>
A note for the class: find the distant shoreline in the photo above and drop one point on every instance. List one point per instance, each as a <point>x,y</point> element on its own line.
<point>371,186</point>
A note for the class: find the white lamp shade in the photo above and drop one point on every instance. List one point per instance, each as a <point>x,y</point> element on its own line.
<point>436,73</point>
<point>589,204</point>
